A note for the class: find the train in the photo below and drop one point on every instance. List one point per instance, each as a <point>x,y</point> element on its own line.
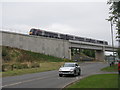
<point>39,32</point>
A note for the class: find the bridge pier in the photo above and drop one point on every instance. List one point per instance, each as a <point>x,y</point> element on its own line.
<point>99,55</point>
<point>69,52</point>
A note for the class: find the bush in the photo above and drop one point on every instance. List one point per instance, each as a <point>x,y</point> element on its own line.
<point>20,66</point>
<point>35,65</point>
<point>67,60</point>
<point>4,52</point>
<point>6,67</point>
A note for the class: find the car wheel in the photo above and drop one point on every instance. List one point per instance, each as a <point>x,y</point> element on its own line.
<point>79,73</point>
<point>74,73</point>
<point>60,75</point>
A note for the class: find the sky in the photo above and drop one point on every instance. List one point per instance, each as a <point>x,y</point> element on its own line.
<point>85,19</point>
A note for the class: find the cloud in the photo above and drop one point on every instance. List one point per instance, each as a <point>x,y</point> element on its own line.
<point>18,28</point>
<point>62,28</point>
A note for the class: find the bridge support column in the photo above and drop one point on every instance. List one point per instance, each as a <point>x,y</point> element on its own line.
<point>99,55</point>
<point>69,52</point>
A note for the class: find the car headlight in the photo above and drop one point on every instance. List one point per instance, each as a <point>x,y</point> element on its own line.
<point>60,69</point>
<point>71,69</point>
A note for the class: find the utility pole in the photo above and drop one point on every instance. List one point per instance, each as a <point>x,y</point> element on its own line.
<point>118,33</point>
<point>112,39</point>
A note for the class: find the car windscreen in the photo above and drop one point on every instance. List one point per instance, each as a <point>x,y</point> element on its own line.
<point>69,65</point>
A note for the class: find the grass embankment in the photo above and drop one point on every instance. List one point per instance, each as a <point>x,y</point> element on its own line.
<point>17,62</point>
<point>97,81</point>
<point>100,80</point>
<point>44,66</point>
<point>18,55</point>
<point>113,68</point>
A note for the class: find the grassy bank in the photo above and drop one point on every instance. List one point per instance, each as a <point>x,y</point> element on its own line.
<point>44,66</point>
<point>10,54</point>
<point>97,81</point>
<point>113,68</point>
<point>17,62</point>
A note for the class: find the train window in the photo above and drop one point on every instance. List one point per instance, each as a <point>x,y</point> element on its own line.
<point>50,34</point>
<point>39,33</point>
<point>88,40</point>
<point>92,41</point>
<point>79,38</point>
<point>33,31</point>
<point>55,35</point>
<point>106,43</point>
<point>99,42</point>
<point>68,37</point>
<point>62,36</point>
<point>46,34</point>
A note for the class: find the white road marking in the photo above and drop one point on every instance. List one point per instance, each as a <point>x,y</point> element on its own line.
<point>24,81</point>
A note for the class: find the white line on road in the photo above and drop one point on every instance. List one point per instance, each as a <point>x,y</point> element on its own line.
<point>25,81</point>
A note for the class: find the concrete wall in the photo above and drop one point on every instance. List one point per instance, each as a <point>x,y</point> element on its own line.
<point>100,55</point>
<point>48,46</point>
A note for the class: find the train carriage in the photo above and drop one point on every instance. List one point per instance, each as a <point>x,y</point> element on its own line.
<point>44,33</point>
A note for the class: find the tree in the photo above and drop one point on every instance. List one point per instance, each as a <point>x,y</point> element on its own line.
<point>114,12</point>
<point>90,53</point>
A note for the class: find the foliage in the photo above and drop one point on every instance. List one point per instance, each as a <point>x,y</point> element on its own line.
<point>90,53</point>
<point>67,60</point>
<point>35,65</point>
<point>6,67</point>
<point>5,54</point>
<point>19,66</point>
<point>115,16</point>
<point>118,52</point>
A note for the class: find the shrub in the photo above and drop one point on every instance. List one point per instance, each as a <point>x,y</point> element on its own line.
<point>67,60</point>
<point>6,67</point>
<point>35,65</point>
<point>4,52</point>
<point>20,66</point>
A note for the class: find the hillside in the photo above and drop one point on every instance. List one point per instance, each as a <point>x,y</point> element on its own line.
<point>16,59</point>
<point>18,55</point>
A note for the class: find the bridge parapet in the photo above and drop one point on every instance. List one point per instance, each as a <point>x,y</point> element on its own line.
<point>110,48</point>
<point>92,46</point>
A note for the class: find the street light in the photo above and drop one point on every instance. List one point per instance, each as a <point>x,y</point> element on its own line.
<point>112,39</point>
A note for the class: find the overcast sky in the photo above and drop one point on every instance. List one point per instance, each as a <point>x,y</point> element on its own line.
<point>86,19</point>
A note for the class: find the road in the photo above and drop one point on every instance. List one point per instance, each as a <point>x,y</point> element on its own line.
<point>50,79</point>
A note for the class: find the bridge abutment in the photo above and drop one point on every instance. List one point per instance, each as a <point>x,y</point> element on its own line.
<point>99,55</point>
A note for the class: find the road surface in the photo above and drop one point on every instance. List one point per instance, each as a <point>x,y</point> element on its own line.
<point>50,79</point>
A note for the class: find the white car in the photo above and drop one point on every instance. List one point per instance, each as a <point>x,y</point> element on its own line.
<point>70,69</point>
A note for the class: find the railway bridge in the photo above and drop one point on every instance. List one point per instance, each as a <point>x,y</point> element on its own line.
<point>99,49</point>
<point>50,46</point>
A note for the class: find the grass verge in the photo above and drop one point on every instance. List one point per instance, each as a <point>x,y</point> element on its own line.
<point>97,81</point>
<point>113,68</point>
<point>44,66</point>
<point>10,54</point>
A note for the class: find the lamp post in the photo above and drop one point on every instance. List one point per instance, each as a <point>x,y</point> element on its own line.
<point>112,39</point>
